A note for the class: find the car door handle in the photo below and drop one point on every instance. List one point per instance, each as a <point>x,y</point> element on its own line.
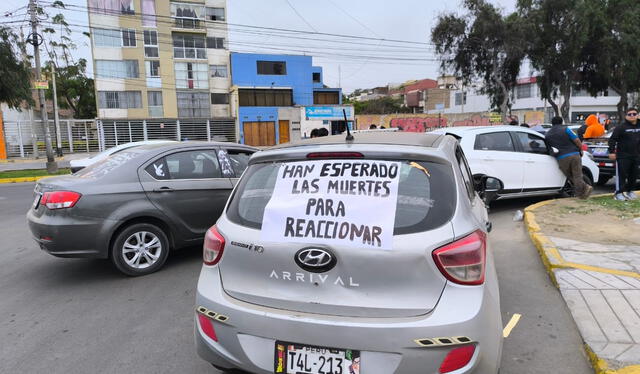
<point>530,162</point>
<point>163,189</point>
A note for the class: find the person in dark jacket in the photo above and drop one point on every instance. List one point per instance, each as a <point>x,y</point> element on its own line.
<point>624,149</point>
<point>569,155</point>
<point>581,130</point>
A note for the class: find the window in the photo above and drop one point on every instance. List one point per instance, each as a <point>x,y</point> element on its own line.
<point>494,141</point>
<point>111,7</point>
<point>466,173</point>
<point>461,98</point>
<point>148,13</point>
<point>215,43</point>
<point>316,78</point>
<point>218,71</point>
<point>272,68</point>
<point>193,104</point>
<point>219,98</point>
<point>121,69</point>
<point>106,38</point>
<point>531,143</point>
<point>153,68</point>
<point>238,159</point>
<point>154,101</point>
<point>215,14</point>
<point>150,43</point>
<point>189,46</point>
<point>326,98</point>
<point>191,75</point>
<point>119,99</point>
<point>265,97</point>
<point>201,164</point>
<point>524,91</point>
<point>128,37</point>
<point>425,201</point>
<point>188,16</point>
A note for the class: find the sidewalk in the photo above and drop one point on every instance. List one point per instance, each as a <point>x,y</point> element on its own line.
<point>40,163</point>
<point>601,286</point>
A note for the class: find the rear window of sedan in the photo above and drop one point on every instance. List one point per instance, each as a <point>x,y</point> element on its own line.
<point>109,164</point>
<point>426,196</point>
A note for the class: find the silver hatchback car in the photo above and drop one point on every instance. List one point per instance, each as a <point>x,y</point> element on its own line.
<point>352,257</point>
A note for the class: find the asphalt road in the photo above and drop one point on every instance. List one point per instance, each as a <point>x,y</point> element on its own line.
<point>82,316</point>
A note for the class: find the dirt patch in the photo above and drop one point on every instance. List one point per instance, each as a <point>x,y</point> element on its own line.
<point>596,220</point>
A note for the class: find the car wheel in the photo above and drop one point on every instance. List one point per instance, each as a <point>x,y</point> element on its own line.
<point>140,249</point>
<point>603,180</point>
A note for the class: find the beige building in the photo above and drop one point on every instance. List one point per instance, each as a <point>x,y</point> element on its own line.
<point>160,59</point>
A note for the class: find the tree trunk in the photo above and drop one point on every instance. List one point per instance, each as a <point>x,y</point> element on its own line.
<point>623,103</point>
<point>565,91</point>
<point>554,106</point>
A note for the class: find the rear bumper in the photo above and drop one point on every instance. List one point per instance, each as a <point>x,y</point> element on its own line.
<point>247,339</point>
<point>69,236</point>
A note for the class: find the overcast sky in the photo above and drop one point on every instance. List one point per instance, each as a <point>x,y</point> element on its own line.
<point>351,62</point>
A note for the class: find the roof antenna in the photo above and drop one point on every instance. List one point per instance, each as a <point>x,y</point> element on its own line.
<point>349,137</point>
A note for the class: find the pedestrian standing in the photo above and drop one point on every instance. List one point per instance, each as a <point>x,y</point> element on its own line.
<point>624,149</point>
<point>569,155</point>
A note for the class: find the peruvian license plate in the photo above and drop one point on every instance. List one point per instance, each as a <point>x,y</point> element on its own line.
<point>291,358</point>
<point>600,152</point>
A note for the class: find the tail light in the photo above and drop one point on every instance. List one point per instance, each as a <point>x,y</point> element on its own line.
<point>60,199</point>
<point>463,261</point>
<point>335,155</point>
<point>457,359</point>
<point>213,246</point>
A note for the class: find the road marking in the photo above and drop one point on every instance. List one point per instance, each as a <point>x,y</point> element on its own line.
<point>512,323</point>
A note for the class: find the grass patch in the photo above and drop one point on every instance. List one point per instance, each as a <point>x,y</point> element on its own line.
<point>31,173</point>
<point>625,209</point>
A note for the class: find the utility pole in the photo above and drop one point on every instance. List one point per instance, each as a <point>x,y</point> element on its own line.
<point>36,40</point>
<point>56,117</point>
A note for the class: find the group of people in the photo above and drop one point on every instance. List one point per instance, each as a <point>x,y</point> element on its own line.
<point>624,149</point>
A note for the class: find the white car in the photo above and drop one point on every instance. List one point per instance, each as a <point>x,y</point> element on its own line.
<point>519,157</point>
<point>82,163</point>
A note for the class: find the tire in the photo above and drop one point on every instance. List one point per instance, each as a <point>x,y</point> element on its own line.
<point>140,249</point>
<point>603,180</point>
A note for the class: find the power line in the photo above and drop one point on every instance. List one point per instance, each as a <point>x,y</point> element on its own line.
<point>300,15</point>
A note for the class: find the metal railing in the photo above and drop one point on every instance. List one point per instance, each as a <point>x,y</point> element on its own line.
<point>113,132</point>
<point>26,138</point>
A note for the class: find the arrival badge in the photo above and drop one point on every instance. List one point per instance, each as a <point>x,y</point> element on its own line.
<point>335,202</point>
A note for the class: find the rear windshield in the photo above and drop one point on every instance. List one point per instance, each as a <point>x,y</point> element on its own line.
<point>106,166</point>
<point>426,195</point>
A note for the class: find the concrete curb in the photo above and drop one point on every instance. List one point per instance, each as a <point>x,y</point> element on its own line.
<point>552,259</point>
<point>21,179</point>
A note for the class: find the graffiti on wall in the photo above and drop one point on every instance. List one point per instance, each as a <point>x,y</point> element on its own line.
<point>420,122</point>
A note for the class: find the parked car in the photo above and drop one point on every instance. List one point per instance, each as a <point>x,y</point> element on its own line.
<point>137,204</point>
<point>520,158</point>
<point>334,255</point>
<point>599,148</point>
<point>77,165</point>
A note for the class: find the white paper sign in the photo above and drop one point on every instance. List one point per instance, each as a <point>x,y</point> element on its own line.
<point>334,202</point>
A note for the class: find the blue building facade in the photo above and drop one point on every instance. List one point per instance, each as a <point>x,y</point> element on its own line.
<point>273,94</point>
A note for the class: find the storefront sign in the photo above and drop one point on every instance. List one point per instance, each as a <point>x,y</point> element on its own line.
<point>327,112</point>
<point>41,85</point>
<point>334,202</point>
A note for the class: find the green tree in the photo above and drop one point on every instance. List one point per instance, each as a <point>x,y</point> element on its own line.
<point>15,75</point>
<point>612,58</point>
<point>482,45</point>
<point>557,45</point>
<point>75,90</point>
<point>383,105</point>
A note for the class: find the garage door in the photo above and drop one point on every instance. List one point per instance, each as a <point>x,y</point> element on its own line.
<point>259,133</point>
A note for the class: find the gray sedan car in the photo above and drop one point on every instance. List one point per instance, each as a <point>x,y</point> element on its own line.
<point>348,257</point>
<point>137,204</point>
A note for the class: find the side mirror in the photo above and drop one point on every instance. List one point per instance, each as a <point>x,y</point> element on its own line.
<point>487,187</point>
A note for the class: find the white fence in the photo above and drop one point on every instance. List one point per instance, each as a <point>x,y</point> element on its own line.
<point>26,138</point>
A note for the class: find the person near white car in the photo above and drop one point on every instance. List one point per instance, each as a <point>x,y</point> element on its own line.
<point>569,155</point>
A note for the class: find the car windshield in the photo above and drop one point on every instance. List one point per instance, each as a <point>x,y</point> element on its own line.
<point>426,196</point>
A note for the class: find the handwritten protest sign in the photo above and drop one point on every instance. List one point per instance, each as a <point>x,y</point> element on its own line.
<point>334,202</point>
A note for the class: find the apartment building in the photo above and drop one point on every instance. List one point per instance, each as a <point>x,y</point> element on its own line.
<point>161,59</point>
